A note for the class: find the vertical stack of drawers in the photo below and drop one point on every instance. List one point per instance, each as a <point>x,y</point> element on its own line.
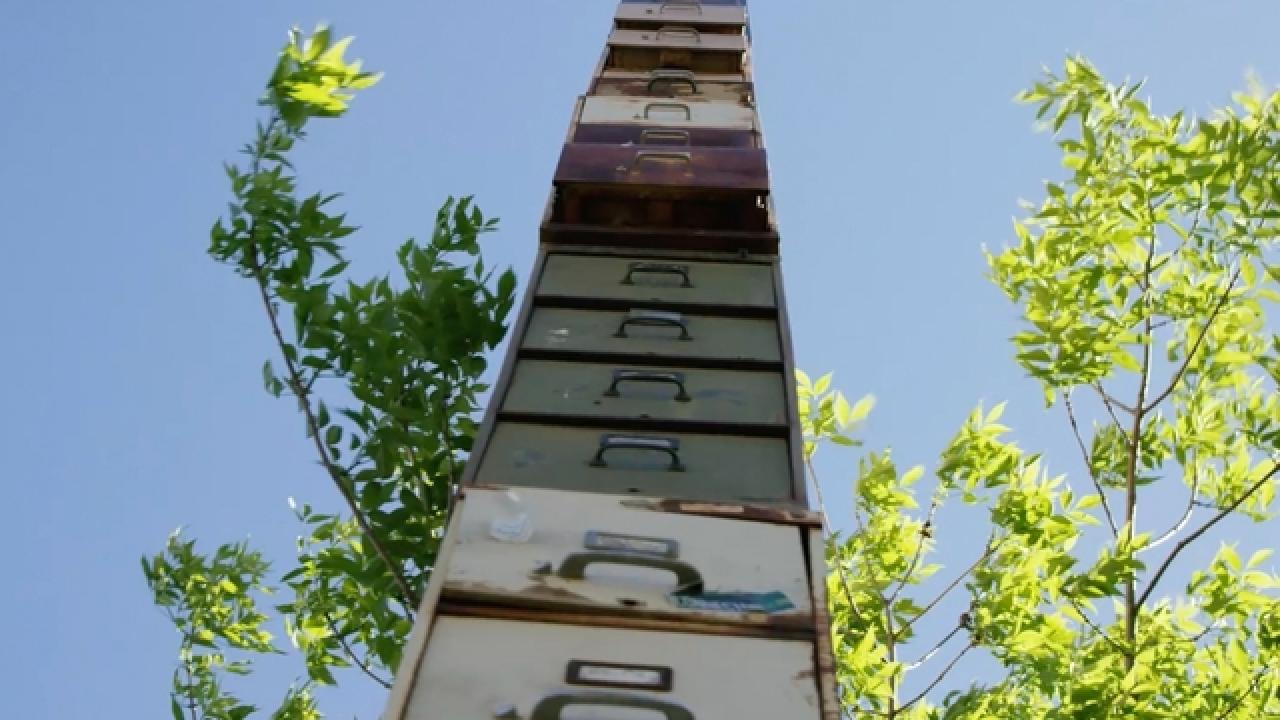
<point>632,539</point>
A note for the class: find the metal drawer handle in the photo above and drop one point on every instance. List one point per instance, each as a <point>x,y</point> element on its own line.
<point>646,376</point>
<point>670,77</point>
<point>688,579</point>
<point>650,107</point>
<point>670,157</point>
<point>609,441</point>
<point>654,319</point>
<point>551,706</point>
<point>681,5</point>
<point>662,136</point>
<point>680,31</point>
<point>657,269</point>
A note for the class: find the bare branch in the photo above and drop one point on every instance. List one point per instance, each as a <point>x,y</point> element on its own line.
<point>1102,633</point>
<point>1253,687</point>
<point>991,548</point>
<point>826,525</point>
<point>342,640</point>
<point>1182,544</point>
<point>1186,514</point>
<point>1111,404</point>
<point>1195,346</point>
<point>934,650</point>
<point>938,679</point>
<point>925,531</point>
<point>1088,464</point>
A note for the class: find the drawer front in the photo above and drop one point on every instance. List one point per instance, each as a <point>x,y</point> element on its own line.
<point>677,36</point>
<point>733,77</point>
<point>657,281</point>
<point>618,391</point>
<point>710,168</point>
<point>636,134</point>
<point>655,333</point>
<point>676,85</point>
<point>642,58</point>
<point>680,13</point>
<point>479,669</point>
<point>687,466</point>
<point>578,550</point>
<point>682,113</point>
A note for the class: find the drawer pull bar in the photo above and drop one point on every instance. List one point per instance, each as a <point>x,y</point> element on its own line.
<point>552,706</point>
<point>661,156</point>
<point>610,441</point>
<point>671,77</point>
<point>680,31</point>
<point>647,319</point>
<point>655,268</point>
<point>688,579</point>
<point>662,136</point>
<point>645,376</point>
<point>650,107</point>
<point>681,5</point>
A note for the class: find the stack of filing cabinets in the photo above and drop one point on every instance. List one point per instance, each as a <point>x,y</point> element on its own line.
<point>632,538</point>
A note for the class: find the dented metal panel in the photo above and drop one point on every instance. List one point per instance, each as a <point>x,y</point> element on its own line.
<point>619,392</point>
<point>654,333</point>
<point>669,282</point>
<point>571,551</point>
<point>618,461</point>
<point>673,113</point>
<point>478,669</point>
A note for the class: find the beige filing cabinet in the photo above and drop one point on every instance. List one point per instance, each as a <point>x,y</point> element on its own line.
<point>682,112</point>
<point>662,281</point>
<point>654,333</point>
<point>599,553</point>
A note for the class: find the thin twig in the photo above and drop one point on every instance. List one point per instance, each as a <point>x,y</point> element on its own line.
<point>352,653</point>
<point>934,650</point>
<point>1109,403</point>
<point>991,548</point>
<point>1182,544</point>
<point>826,526</point>
<point>938,679</point>
<point>925,530</point>
<point>1235,704</point>
<point>1186,515</point>
<point>1096,629</point>
<point>1191,354</point>
<point>1088,464</point>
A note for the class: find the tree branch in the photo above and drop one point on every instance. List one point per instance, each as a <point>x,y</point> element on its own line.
<point>1195,346</point>
<point>934,650</point>
<point>1186,515</point>
<point>352,653</point>
<point>826,523</point>
<point>1088,464</point>
<point>1182,544</point>
<point>1102,633</point>
<point>991,548</point>
<point>938,679</point>
<point>925,530</point>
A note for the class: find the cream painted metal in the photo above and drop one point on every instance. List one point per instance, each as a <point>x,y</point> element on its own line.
<point>658,393</point>
<point>700,77</point>
<point>681,12</point>
<point>688,466</point>
<point>574,551</point>
<point>677,37</point>
<point>481,669</point>
<point>645,331</point>
<point>657,281</point>
<point>685,112</point>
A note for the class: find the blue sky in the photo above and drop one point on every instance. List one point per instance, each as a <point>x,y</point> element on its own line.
<point>133,401</point>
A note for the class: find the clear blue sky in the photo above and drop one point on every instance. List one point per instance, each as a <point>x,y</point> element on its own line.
<point>133,402</point>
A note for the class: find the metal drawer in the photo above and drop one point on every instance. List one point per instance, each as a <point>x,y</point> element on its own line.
<point>676,84</point>
<point>687,466</point>
<point>641,331</point>
<point>624,392</point>
<point>663,137</point>
<point>676,48</point>
<point>480,669</point>
<point>682,113</point>
<point>574,551</point>
<point>705,17</point>
<point>675,171</point>
<point>657,281</point>
<point>734,77</point>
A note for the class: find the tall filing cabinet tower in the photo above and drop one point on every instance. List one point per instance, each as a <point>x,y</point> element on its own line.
<point>632,538</point>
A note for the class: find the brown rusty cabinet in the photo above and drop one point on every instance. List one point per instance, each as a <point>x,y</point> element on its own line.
<point>632,537</point>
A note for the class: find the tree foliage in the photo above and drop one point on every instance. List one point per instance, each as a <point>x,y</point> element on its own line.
<point>1143,279</point>
<point>398,361</point>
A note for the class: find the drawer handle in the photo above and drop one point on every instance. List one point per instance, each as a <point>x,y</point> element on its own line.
<point>671,157</point>
<point>655,268</point>
<point>663,136</point>
<point>681,5</point>
<point>647,319</point>
<point>609,441</point>
<point>646,376</point>
<point>650,107</point>
<point>680,31</point>
<point>688,579</point>
<point>551,706</point>
<point>672,76</point>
